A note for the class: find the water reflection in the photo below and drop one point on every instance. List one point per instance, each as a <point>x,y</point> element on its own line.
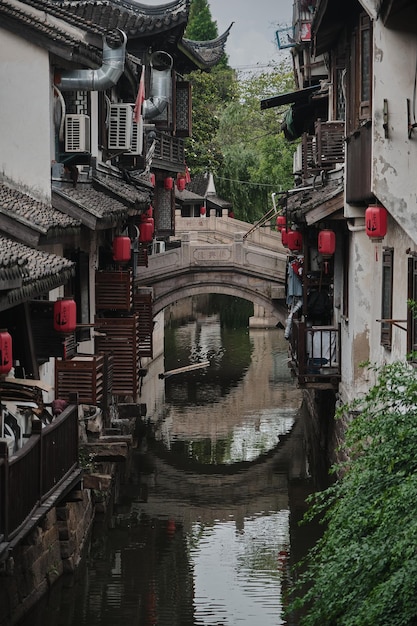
<point>247,385</point>
<point>203,533</point>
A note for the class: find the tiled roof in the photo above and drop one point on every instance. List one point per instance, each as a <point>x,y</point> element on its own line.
<point>38,271</point>
<point>138,197</point>
<point>31,18</point>
<point>98,17</point>
<point>134,18</point>
<point>97,203</point>
<point>301,203</point>
<point>37,215</point>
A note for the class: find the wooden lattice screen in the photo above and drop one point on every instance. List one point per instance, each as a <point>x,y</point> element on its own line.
<point>119,336</point>
<point>114,291</point>
<point>90,375</point>
<point>142,305</point>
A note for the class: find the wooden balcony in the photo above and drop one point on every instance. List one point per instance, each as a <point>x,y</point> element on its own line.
<point>169,152</point>
<point>323,150</point>
<point>315,355</point>
<point>42,472</point>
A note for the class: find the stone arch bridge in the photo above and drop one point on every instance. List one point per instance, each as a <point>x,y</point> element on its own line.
<point>221,255</point>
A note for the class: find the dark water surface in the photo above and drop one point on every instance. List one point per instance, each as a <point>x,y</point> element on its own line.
<point>207,527</point>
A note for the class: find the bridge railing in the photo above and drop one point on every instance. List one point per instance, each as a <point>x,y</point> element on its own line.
<point>225,228</point>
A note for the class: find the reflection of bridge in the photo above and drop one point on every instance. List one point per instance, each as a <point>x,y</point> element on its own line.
<point>216,256</point>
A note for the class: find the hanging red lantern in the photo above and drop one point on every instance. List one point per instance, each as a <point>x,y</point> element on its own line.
<point>202,210</point>
<point>326,243</point>
<point>6,353</point>
<point>168,183</point>
<point>146,229</point>
<point>65,315</point>
<point>284,237</point>
<point>376,218</point>
<point>295,240</point>
<point>281,222</point>
<point>121,249</point>
<point>181,183</point>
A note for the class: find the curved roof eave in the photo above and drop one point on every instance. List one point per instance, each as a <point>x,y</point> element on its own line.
<point>205,53</point>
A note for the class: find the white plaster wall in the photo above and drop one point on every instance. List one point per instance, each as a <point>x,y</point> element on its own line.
<point>395,157</point>
<point>25,115</point>
<point>361,333</point>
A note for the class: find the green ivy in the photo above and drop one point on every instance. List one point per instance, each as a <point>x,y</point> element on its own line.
<point>363,571</point>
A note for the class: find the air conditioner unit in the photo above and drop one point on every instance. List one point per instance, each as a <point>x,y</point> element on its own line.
<point>124,133</point>
<point>77,133</point>
<point>120,127</point>
<point>136,146</point>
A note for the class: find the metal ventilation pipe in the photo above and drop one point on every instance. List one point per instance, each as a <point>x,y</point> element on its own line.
<point>106,76</point>
<point>161,65</point>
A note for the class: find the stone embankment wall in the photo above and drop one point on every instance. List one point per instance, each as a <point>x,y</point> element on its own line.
<point>54,547</point>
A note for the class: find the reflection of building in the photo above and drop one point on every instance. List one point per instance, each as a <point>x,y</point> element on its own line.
<point>352,208</point>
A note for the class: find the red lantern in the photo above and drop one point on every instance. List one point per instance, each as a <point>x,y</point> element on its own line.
<point>295,240</point>
<point>202,210</point>
<point>284,237</point>
<point>6,354</point>
<point>152,179</point>
<point>168,183</point>
<point>327,243</point>
<point>376,218</point>
<point>146,229</point>
<point>181,183</point>
<point>281,222</point>
<point>121,249</point>
<point>65,315</point>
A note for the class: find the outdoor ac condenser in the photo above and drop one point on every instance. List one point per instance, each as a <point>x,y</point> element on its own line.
<point>124,133</point>
<point>77,133</point>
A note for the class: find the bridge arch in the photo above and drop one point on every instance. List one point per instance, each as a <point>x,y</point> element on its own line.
<point>225,283</point>
<point>240,268</point>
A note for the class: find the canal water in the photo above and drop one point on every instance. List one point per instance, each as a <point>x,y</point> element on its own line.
<point>207,528</point>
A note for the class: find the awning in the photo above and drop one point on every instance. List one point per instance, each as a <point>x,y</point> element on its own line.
<point>291,97</point>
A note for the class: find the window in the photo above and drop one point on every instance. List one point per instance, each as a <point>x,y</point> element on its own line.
<point>365,60</point>
<point>386,304</point>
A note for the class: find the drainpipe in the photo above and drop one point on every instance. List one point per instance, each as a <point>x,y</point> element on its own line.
<point>161,65</point>
<point>106,76</point>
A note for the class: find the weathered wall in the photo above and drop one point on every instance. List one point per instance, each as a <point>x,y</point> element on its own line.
<point>54,547</point>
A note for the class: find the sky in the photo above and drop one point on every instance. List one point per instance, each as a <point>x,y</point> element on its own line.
<point>252,43</point>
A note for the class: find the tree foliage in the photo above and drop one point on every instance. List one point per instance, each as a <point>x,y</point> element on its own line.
<point>200,26</point>
<point>257,160</point>
<point>364,569</point>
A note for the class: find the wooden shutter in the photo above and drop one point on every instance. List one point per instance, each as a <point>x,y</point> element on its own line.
<point>114,291</point>
<point>119,336</point>
<point>386,304</point>
<point>142,305</point>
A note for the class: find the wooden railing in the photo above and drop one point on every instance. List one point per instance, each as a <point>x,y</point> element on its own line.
<point>323,150</point>
<point>315,354</point>
<point>37,471</point>
<point>168,150</point>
